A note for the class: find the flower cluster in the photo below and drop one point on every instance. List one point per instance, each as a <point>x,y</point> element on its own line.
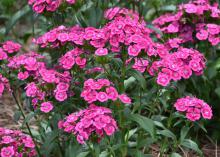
<point>192,18</point>
<point>194,108</point>
<point>102,91</point>
<point>14,143</point>
<point>33,70</point>
<point>124,28</point>
<point>140,64</point>
<point>40,6</point>
<point>8,48</point>
<point>61,35</point>
<point>177,65</point>
<point>93,120</point>
<point>71,58</point>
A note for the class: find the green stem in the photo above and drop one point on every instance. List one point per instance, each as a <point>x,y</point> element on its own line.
<point>92,151</point>
<point>27,125</point>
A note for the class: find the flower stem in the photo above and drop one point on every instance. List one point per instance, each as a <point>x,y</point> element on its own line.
<point>27,125</point>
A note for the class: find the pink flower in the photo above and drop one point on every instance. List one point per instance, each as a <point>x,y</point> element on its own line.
<point>31,89</point>
<point>193,115</point>
<point>112,93</point>
<point>63,37</point>
<point>48,75</point>
<point>28,142</point>
<point>7,139</point>
<point>7,151</point>
<point>190,8</point>
<point>102,96</point>
<point>67,61</point>
<point>80,61</point>
<point>46,107</point>
<point>23,75</point>
<point>186,72</point>
<point>194,108</point>
<point>202,35</point>
<point>109,130</point>
<point>213,29</point>
<point>16,144</point>
<point>195,65</point>
<point>93,120</point>
<point>173,28</point>
<point>206,112</point>
<point>60,96</point>
<point>180,105</point>
<point>11,47</point>
<point>125,99</point>
<point>134,50</point>
<point>38,8</point>
<point>163,79</point>
<point>62,87</point>
<point>101,52</point>
<point>3,55</point>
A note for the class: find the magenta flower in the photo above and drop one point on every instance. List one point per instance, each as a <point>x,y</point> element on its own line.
<point>163,79</point>
<point>14,143</point>
<point>194,108</point>
<point>46,107</point>
<point>101,90</point>
<point>93,120</point>
<point>7,151</point>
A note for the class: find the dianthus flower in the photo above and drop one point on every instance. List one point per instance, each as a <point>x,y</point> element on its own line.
<point>71,58</point>
<point>61,35</point>
<point>195,12</point>
<point>124,28</point>
<point>11,47</point>
<point>85,123</point>
<point>40,6</point>
<point>177,65</point>
<point>194,108</point>
<point>45,83</point>
<point>15,144</point>
<point>102,90</point>
<point>46,107</point>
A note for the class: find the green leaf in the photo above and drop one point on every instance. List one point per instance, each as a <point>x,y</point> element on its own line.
<point>82,154</point>
<point>145,123</point>
<point>104,154</point>
<point>175,155</point>
<point>166,133</point>
<point>183,133</point>
<point>168,8</point>
<point>18,15</point>
<point>127,83</point>
<point>28,118</point>
<point>217,91</point>
<point>191,145</point>
<point>139,77</point>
